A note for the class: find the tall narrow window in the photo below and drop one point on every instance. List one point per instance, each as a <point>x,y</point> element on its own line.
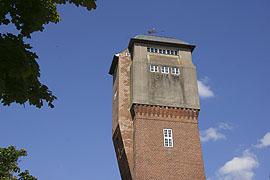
<point>168,137</point>
<point>153,68</point>
<point>175,71</point>
<point>115,95</point>
<point>165,69</point>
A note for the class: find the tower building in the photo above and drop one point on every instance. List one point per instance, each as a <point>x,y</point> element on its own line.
<point>155,110</point>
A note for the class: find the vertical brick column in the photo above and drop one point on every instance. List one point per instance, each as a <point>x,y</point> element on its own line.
<point>122,121</point>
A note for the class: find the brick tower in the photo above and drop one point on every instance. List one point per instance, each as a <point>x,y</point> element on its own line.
<point>155,110</point>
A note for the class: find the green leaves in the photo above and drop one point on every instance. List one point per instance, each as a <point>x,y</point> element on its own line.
<point>19,70</point>
<point>26,176</point>
<point>89,4</point>
<point>28,16</point>
<point>19,73</point>
<point>31,15</point>
<point>9,164</point>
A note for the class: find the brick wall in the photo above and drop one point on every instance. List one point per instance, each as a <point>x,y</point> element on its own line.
<point>121,114</point>
<point>115,99</point>
<point>121,155</point>
<point>152,160</point>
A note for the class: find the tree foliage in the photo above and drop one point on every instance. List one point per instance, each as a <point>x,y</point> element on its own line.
<point>9,169</point>
<point>19,70</point>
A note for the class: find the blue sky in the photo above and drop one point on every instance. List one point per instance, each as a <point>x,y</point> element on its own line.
<point>73,140</point>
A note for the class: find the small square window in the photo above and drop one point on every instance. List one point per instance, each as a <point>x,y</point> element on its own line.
<point>152,49</point>
<point>148,49</point>
<point>175,52</point>
<point>175,71</point>
<point>153,68</point>
<point>156,50</point>
<point>165,69</point>
<point>164,51</point>
<point>160,51</point>
<point>168,52</point>
<point>172,52</point>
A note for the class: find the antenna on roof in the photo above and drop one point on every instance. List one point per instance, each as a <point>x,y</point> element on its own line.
<point>153,31</point>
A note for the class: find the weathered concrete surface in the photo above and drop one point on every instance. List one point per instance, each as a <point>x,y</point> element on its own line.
<point>163,89</point>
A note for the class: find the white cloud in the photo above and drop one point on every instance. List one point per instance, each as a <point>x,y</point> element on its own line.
<point>213,133</point>
<point>239,168</point>
<point>265,141</point>
<point>204,90</point>
<point>224,126</point>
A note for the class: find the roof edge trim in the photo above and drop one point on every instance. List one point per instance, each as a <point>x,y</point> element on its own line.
<point>114,63</point>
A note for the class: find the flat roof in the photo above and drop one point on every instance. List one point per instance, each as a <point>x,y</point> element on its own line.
<point>161,39</point>
<point>149,39</point>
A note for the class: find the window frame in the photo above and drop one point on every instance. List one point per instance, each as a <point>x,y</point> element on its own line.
<point>164,71</point>
<point>162,51</point>
<point>154,68</point>
<point>115,95</point>
<point>168,137</point>
<point>175,71</point>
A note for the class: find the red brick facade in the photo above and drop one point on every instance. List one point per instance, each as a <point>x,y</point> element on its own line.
<point>152,160</point>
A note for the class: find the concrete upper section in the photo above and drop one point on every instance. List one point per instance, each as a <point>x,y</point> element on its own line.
<point>159,88</point>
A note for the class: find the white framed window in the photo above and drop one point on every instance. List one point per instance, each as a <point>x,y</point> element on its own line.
<point>115,95</point>
<point>168,137</point>
<point>165,69</point>
<point>153,68</point>
<point>175,71</point>
<point>162,51</point>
